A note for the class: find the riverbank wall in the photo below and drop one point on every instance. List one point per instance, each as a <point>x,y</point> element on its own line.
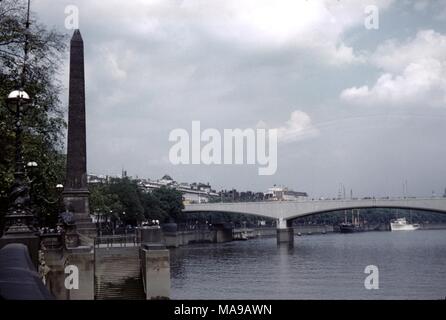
<point>173,238</point>
<point>181,238</point>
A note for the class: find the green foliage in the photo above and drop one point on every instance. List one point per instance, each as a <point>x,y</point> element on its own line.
<point>104,203</point>
<point>127,193</point>
<point>43,122</point>
<point>153,207</point>
<point>121,196</point>
<point>170,200</point>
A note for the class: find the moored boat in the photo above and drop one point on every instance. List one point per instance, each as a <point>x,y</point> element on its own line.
<point>401,224</point>
<point>350,227</point>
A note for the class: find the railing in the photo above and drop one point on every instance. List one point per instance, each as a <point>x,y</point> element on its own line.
<point>128,240</point>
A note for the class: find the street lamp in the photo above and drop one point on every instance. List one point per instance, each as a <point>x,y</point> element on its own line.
<point>113,225</point>
<point>98,224</point>
<point>32,164</point>
<point>59,188</point>
<point>125,224</point>
<point>19,217</point>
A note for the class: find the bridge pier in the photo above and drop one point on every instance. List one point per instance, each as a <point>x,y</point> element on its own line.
<point>285,232</point>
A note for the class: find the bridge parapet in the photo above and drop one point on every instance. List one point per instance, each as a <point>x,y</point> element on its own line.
<point>19,279</point>
<point>293,209</point>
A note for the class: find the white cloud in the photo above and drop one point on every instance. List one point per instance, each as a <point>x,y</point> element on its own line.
<point>156,65</point>
<point>414,73</point>
<point>395,56</point>
<point>297,128</point>
<point>314,25</point>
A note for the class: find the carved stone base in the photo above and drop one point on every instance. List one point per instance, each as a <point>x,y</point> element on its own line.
<point>72,239</point>
<point>76,202</point>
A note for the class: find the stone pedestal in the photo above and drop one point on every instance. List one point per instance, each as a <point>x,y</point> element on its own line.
<point>76,201</point>
<point>171,239</point>
<point>55,278</point>
<point>149,234</point>
<point>170,235</point>
<point>155,260</point>
<point>83,259</point>
<point>58,260</point>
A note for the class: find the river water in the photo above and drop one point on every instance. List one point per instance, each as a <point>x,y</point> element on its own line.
<point>411,265</point>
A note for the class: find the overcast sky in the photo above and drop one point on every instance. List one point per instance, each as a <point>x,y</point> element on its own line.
<point>365,108</point>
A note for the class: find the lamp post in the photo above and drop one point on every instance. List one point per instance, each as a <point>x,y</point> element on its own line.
<point>99,222</point>
<point>59,188</point>
<point>96,215</point>
<point>113,222</point>
<point>125,224</point>
<point>30,167</point>
<point>32,178</point>
<point>19,217</point>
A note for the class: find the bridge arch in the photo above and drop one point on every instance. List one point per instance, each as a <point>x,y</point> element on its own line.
<point>365,207</point>
<point>286,211</point>
<point>290,210</point>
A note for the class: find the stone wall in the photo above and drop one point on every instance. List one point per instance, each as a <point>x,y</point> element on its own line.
<point>155,262</point>
<point>58,259</point>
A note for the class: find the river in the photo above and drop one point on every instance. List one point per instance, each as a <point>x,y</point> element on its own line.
<point>411,265</point>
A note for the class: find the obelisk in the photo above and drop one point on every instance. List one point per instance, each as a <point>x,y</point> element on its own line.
<point>75,188</point>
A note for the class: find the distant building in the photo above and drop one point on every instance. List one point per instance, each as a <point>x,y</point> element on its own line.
<point>192,193</point>
<point>97,179</point>
<point>198,192</point>
<point>284,194</point>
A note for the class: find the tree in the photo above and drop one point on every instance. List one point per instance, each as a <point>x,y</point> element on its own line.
<point>105,204</point>
<point>43,123</point>
<point>171,202</point>
<point>128,194</point>
<point>153,207</point>
<point>124,195</point>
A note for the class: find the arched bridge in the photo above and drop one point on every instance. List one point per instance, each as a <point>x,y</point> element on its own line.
<point>286,211</point>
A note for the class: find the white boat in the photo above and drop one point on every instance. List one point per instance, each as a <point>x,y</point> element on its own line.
<point>402,225</point>
<point>244,235</point>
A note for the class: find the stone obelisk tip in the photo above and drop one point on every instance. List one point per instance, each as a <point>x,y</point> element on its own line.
<point>76,36</point>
